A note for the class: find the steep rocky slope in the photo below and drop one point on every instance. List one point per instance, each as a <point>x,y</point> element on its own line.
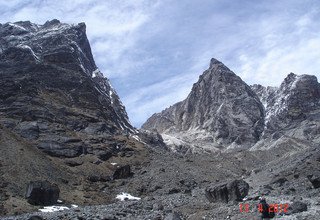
<point>60,119</point>
<point>292,111</point>
<point>221,111</point>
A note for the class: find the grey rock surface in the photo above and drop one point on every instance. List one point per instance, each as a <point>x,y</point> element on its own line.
<point>234,190</point>
<point>221,111</point>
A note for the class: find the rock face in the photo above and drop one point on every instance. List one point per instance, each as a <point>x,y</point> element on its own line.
<point>42,193</point>
<point>297,207</point>
<point>223,112</point>
<point>220,111</point>
<point>122,172</point>
<point>233,191</point>
<point>292,111</point>
<point>52,92</point>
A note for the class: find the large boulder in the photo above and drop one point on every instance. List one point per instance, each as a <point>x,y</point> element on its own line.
<point>235,190</point>
<point>122,172</point>
<point>29,130</point>
<point>173,216</point>
<point>297,207</point>
<point>315,180</point>
<point>42,193</point>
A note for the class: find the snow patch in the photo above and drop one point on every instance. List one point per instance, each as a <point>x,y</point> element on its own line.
<point>113,164</point>
<point>126,196</point>
<point>53,208</point>
<point>136,137</point>
<point>30,49</point>
<point>294,84</point>
<point>17,26</point>
<point>74,206</point>
<point>96,73</point>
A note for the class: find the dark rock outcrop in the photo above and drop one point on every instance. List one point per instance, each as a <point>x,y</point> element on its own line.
<point>297,207</point>
<point>122,172</point>
<point>152,138</point>
<point>315,180</point>
<point>225,192</point>
<point>42,193</point>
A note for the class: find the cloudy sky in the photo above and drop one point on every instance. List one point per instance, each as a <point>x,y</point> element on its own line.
<point>153,51</point>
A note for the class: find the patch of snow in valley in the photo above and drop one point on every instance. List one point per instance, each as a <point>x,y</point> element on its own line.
<point>113,164</point>
<point>126,196</point>
<point>53,208</point>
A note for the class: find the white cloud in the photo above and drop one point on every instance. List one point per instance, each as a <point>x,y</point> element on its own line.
<point>283,52</point>
<point>154,51</point>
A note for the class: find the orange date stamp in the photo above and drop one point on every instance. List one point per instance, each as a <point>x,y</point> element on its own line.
<point>275,208</point>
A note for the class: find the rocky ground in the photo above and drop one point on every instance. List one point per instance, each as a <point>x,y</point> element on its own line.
<point>172,186</point>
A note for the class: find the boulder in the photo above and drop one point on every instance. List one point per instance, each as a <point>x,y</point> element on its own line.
<point>29,130</point>
<point>315,180</point>
<point>122,172</point>
<point>235,190</point>
<point>35,217</point>
<point>173,216</point>
<point>42,193</point>
<point>297,207</point>
<point>56,149</point>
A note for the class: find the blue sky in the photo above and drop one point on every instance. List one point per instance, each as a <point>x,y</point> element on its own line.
<point>153,51</point>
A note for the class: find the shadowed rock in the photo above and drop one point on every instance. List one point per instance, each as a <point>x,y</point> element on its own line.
<point>122,172</point>
<point>42,193</point>
<point>232,191</point>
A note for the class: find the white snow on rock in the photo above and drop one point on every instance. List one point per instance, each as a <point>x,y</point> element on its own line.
<point>17,26</point>
<point>135,137</point>
<point>96,73</point>
<point>113,164</point>
<point>53,208</point>
<point>74,206</point>
<point>126,196</point>
<point>26,47</point>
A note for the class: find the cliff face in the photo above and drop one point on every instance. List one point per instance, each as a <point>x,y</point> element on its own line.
<point>60,119</point>
<point>223,112</point>
<point>52,91</point>
<point>292,112</point>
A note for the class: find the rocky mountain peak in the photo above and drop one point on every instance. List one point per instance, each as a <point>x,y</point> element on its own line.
<point>51,89</point>
<point>221,110</point>
<point>51,42</point>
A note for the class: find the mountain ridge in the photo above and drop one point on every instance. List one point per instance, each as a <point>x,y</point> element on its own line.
<point>277,106</point>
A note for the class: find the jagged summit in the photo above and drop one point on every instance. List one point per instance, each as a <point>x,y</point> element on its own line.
<point>220,111</point>
<point>48,75</point>
<point>51,42</point>
<point>223,112</point>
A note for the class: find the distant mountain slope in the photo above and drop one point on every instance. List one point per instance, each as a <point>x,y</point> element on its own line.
<point>223,112</point>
